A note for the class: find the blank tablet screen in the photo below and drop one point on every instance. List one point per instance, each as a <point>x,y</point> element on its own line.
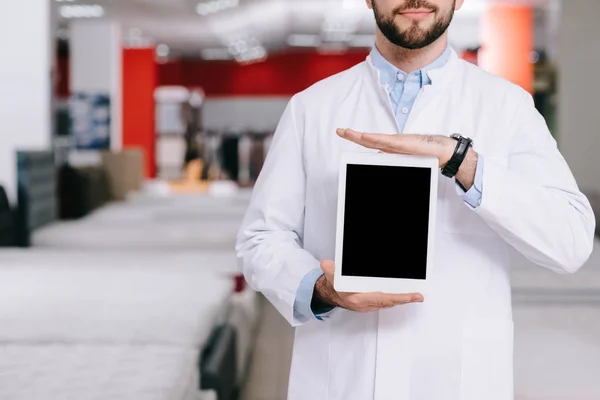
<point>386,221</point>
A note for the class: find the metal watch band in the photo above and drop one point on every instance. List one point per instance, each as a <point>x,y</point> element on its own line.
<point>460,152</point>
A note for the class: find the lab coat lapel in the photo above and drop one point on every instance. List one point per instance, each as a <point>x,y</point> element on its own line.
<point>429,112</point>
<point>377,109</point>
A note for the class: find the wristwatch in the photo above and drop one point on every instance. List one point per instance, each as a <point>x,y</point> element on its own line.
<point>460,152</point>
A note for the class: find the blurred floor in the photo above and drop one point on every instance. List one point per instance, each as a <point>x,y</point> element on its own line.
<point>557,338</point>
<point>272,357</point>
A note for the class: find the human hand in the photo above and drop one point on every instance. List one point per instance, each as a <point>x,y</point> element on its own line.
<point>360,302</point>
<point>441,147</point>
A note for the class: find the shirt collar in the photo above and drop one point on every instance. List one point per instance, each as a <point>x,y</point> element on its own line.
<point>388,73</point>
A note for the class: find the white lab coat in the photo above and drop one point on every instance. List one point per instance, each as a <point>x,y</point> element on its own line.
<point>458,344</point>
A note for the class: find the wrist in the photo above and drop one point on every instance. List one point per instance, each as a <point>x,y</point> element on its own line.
<point>466,173</point>
<point>446,151</point>
<point>323,295</point>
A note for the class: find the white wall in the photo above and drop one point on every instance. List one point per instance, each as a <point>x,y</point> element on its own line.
<point>25,83</point>
<point>96,66</point>
<point>579,88</point>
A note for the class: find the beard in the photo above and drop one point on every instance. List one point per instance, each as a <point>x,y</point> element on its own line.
<point>414,37</point>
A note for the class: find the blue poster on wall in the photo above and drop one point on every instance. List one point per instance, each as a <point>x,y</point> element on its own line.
<point>90,121</point>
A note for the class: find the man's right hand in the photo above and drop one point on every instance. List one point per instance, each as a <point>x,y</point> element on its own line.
<point>360,302</point>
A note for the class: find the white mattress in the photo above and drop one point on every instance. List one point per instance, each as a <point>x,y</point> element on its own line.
<point>177,208</point>
<point>97,372</point>
<point>176,222</point>
<point>50,296</point>
<point>116,299</point>
<point>163,235</point>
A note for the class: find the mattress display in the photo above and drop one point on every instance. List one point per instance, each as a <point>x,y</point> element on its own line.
<point>180,222</point>
<point>100,300</point>
<point>100,372</point>
<point>124,298</point>
<point>187,234</point>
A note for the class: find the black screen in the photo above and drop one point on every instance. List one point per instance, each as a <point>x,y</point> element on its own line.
<point>386,221</point>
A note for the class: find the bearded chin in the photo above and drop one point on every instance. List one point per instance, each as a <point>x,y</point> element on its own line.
<point>414,37</point>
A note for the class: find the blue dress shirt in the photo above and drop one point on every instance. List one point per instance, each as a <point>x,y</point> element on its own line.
<point>403,90</point>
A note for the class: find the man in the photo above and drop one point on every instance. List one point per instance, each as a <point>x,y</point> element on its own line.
<point>512,189</point>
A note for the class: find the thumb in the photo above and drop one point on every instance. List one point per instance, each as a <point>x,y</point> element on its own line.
<point>328,266</point>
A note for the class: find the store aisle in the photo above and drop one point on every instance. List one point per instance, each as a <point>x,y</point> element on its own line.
<point>270,367</point>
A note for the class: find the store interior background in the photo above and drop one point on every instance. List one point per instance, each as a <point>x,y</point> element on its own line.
<point>181,97</point>
<point>247,58</point>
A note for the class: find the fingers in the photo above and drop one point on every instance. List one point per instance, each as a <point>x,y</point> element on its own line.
<point>366,302</point>
<point>370,140</point>
<point>328,267</point>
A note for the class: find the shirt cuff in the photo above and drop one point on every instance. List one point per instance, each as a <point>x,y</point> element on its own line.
<point>304,296</point>
<point>473,196</point>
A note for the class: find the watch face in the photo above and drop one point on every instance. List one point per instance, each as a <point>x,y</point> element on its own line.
<point>458,136</point>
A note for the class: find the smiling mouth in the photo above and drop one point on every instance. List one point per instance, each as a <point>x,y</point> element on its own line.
<point>416,14</point>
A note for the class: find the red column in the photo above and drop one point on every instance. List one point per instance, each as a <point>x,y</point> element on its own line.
<point>139,83</point>
<point>508,42</point>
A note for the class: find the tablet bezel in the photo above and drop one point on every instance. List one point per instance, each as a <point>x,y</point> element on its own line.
<point>356,284</point>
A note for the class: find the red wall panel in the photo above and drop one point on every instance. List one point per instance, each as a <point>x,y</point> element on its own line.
<point>279,75</point>
<point>139,83</point>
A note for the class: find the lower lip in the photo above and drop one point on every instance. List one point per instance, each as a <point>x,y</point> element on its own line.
<point>416,16</point>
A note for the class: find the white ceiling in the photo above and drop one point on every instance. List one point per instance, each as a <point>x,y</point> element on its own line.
<point>177,24</point>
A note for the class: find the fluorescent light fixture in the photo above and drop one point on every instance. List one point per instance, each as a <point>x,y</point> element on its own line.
<point>246,48</point>
<point>216,54</point>
<point>82,11</point>
<point>64,1</point>
<point>254,54</point>
<point>299,40</point>
<point>212,6</point>
<point>162,50</point>
<point>135,33</point>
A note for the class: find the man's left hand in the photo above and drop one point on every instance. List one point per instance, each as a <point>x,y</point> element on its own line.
<point>441,147</point>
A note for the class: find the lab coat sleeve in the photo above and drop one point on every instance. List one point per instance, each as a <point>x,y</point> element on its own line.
<point>269,243</point>
<point>534,203</point>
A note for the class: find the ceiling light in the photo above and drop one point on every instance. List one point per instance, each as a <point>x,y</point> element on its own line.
<point>298,40</point>
<point>135,33</point>
<point>82,11</point>
<point>245,48</point>
<point>212,6</point>
<point>64,1</point>
<point>254,54</point>
<point>162,50</point>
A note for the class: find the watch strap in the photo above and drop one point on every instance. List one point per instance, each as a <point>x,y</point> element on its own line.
<point>460,152</point>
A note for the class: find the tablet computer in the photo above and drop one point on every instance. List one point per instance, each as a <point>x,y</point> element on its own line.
<point>386,220</point>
